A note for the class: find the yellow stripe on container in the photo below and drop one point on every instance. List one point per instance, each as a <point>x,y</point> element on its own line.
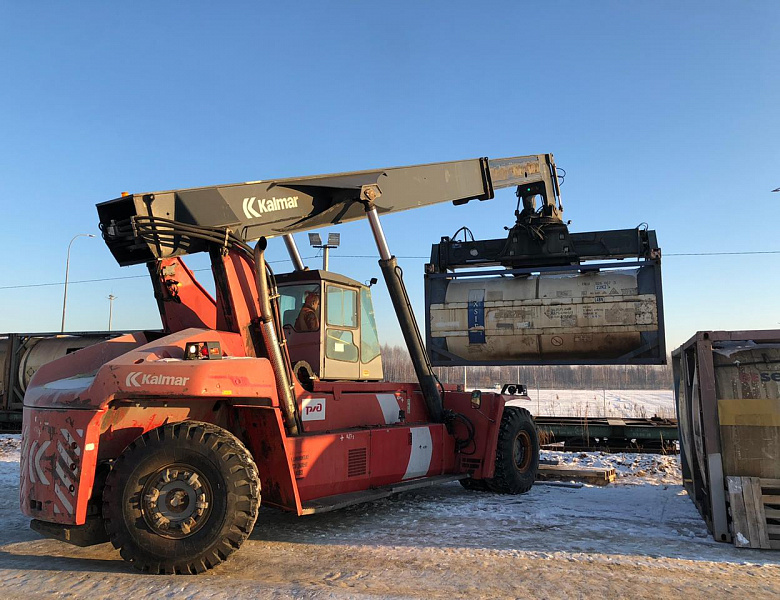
<point>752,412</point>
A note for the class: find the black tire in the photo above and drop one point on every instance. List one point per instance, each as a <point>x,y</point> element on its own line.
<point>517,453</point>
<point>474,485</point>
<point>210,494</point>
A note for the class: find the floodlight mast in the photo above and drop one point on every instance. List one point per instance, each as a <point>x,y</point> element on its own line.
<point>334,240</point>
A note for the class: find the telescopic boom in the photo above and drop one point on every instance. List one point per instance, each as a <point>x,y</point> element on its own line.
<point>134,225</point>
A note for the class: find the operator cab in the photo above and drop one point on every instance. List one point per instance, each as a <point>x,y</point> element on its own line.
<point>329,325</point>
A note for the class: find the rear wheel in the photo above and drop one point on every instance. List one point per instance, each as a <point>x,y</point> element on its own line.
<point>517,453</point>
<point>181,498</point>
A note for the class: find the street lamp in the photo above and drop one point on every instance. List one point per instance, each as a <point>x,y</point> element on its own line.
<point>334,239</point>
<point>67,269</point>
<point>111,299</point>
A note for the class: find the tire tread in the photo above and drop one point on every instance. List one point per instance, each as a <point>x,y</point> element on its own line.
<point>232,453</point>
<point>505,480</point>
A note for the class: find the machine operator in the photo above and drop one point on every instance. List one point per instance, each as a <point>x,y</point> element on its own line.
<point>309,317</point>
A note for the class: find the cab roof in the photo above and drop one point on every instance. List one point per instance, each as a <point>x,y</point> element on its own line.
<point>316,275</point>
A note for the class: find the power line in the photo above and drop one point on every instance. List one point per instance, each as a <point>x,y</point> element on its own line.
<point>667,255</point>
<point>35,285</point>
<point>722,253</point>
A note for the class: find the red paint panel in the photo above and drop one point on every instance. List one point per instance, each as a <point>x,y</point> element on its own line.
<point>121,424</point>
<point>416,410</point>
<point>401,453</point>
<point>266,440</point>
<point>391,450</point>
<point>153,369</point>
<point>411,399</point>
<point>330,464</point>
<point>57,469</point>
<point>486,421</point>
<point>441,443</point>
<point>328,412</point>
<point>186,302</point>
<point>337,409</point>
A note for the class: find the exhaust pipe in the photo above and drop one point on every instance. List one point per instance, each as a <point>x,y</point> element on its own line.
<point>283,386</point>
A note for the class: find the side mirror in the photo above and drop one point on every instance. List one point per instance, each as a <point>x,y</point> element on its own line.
<point>476,399</point>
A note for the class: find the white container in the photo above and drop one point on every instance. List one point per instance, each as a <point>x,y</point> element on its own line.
<point>580,316</point>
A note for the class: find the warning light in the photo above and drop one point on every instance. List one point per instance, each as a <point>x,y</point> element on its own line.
<point>124,194</point>
<point>202,351</point>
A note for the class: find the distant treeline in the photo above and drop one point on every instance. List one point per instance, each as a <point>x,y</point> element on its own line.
<point>398,367</point>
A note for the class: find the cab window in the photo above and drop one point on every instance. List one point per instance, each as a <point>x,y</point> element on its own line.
<point>292,299</point>
<point>339,345</point>
<point>369,339</point>
<point>341,306</point>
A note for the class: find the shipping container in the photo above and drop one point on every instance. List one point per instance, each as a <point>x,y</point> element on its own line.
<point>576,314</point>
<point>22,354</point>
<point>727,393</point>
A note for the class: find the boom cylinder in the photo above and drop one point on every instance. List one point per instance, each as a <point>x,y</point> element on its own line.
<point>403,309</point>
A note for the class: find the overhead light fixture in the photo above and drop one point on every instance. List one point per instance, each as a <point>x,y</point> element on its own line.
<point>334,239</point>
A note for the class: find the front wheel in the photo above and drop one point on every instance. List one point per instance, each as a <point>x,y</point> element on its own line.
<point>517,453</point>
<point>181,498</point>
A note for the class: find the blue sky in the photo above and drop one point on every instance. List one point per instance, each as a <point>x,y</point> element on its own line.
<point>663,112</point>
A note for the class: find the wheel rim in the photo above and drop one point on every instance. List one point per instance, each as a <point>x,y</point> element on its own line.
<point>522,451</point>
<point>176,501</point>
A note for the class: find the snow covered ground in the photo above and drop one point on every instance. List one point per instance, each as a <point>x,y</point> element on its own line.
<point>639,537</point>
<point>601,403</point>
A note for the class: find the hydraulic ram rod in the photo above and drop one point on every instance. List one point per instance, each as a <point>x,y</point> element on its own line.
<point>403,310</point>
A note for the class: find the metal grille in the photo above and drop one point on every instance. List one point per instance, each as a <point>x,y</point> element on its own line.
<point>357,462</point>
<point>471,464</point>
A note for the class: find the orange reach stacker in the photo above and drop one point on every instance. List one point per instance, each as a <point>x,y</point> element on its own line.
<point>161,442</point>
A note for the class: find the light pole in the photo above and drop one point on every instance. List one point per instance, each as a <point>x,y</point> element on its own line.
<point>67,269</point>
<point>111,299</point>
<point>334,239</point>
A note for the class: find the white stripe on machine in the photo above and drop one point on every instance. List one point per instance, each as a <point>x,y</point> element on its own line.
<point>37,460</point>
<point>65,502</point>
<point>422,450</point>
<point>70,440</point>
<point>389,405</point>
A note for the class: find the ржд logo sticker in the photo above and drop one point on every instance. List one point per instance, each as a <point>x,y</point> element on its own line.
<point>313,409</point>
